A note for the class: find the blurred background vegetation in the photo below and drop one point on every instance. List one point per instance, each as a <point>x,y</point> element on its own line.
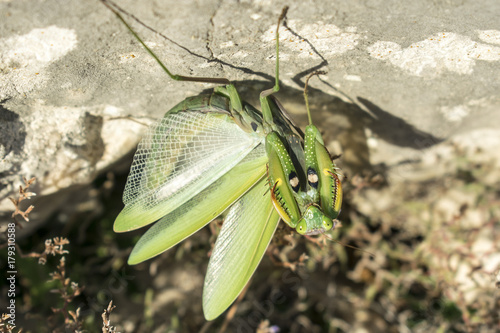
<point>426,262</point>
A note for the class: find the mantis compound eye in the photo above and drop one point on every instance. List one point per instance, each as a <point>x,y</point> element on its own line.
<point>301,227</point>
<point>327,223</point>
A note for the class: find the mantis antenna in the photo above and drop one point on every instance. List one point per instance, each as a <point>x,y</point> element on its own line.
<point>305,93</point>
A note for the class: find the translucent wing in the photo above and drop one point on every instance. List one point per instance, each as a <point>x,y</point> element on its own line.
<point>202,208</point>
<point>244,237</point>
<point>180,156</point>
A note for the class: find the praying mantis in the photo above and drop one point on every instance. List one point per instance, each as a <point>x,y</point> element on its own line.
<point>215,153</point>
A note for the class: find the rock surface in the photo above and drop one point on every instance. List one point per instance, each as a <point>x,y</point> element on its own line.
<point>412,90</point>
<point>406,76</point>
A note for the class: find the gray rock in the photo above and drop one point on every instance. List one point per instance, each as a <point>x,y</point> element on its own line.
<point>406,81</point>
<point>398,78</point>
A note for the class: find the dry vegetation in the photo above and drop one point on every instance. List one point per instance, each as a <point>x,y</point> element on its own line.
<point>427,262</point>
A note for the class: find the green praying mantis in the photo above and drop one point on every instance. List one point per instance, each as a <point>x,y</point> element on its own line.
<point>214,153</point>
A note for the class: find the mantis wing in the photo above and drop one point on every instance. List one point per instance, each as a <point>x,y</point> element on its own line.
<point>244,237</point>
<point>180,156</point>
<point>201,209</point>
